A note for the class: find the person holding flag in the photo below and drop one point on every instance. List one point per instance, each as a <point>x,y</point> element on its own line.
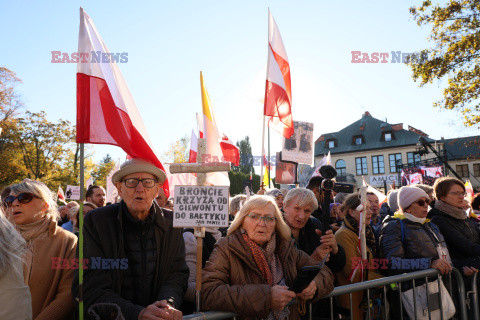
<point>348,237</point>
<point>137,231</point>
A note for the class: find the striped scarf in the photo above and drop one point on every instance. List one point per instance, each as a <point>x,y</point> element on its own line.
<point>259,258</point>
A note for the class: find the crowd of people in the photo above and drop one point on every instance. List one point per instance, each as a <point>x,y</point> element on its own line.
<point>137,266</point>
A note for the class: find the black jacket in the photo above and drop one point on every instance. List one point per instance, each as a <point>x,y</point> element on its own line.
<point>462,237</point>
<point>415,252</point>
<point>104,238</point>
<point>308,240</point>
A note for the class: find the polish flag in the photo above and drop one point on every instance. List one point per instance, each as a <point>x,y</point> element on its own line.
<point>230,151</point>
<point>106,111</point>
<point>278,93</point>
<point>61,195</point>
<point>193,148</point>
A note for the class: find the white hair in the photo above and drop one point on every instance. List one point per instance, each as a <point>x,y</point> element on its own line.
<point>305,197</point>
<point>12,246</point>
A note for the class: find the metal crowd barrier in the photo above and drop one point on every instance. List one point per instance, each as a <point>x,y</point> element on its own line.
<point>398,279</point>
<point>473,297</point>
<point>461,307</point>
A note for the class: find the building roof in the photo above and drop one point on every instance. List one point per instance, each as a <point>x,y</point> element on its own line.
<point>462,148</point>
<point>371,129</point>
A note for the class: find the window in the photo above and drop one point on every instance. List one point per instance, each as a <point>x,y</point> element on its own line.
<point>358,140</point>
<point>387,136</point>
<point>331,144</point>
<point>413,158</point>
<point>462,170</point>
<point>378,164</point>
<point>361,166</point>
<point>395,159</point>
<point>476,169</point>
<point>341,167</point>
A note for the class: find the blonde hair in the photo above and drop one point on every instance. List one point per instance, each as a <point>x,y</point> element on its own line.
<point>12,246</point>
<point>257,201</point>
<point>305,197</point>
<point>40,190</point>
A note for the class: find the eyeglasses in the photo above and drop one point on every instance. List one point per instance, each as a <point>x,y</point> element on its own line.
<point>133,182</point>
<point>459,194</point>
<point>422,202</point>
<point>266,219</point>
<point>22,198</point>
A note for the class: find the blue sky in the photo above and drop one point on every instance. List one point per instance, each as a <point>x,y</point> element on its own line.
<point>170,42</point>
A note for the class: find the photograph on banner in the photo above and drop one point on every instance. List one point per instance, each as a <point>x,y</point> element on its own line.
<point>425,174</point>
<point>284,171</point>
<point>299,148</point>
<point>201,206</point>
<point>72,193</point>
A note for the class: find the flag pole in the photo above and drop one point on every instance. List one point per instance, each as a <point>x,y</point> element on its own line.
<point>269,175</point>
<point>80,233</point>
<point>264,104</point>
<point>263,153</point>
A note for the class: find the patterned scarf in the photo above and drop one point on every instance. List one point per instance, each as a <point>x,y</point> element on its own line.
<point>260,259</point>
<point>370,237</point>
<point>270,267</point>
<point>457,213</point>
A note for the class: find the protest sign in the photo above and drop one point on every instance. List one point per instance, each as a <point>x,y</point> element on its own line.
<point>299,148</point>
<point>72,193</point>
<point>200,206</point>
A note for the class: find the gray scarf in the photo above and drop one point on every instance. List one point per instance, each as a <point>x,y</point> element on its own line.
<point>457,213</point>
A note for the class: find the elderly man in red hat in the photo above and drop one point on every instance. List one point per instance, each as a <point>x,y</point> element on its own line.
<point>136,258</point>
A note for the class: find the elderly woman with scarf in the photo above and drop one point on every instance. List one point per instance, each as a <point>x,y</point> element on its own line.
<point>461,234</point>
<point>50,250</point>
<point>250,270</point>
<point>347,237</point>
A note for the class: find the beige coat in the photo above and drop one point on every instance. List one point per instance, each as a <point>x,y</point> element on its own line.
<point>349,241</point>
<point>15,300</point>
<point>51,288</point>
<point>232,281</point>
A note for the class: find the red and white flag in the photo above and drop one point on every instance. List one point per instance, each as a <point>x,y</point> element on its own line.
<point>230,151</point>
<point>192,158</point>
<point>61,195</point>
<point>106,111</point>
<point>278,92</point>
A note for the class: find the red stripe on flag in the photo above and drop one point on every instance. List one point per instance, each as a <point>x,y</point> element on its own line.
<point>99,121</point>
<point>277,105</point>
<point>285,69</point>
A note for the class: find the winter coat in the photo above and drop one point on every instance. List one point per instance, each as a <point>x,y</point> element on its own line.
<point>416,251</point>
<point>104,238</point>
<point>15,299</point>
<point>348,239</point>
<point>50,281</point>
<point>308,240</point>
<point>462,238</point>
<point>231,280</point>
<point>211,237</point>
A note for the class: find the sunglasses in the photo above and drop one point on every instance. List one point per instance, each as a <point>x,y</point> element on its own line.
<point>22,198</point>
<point>422,202</point>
